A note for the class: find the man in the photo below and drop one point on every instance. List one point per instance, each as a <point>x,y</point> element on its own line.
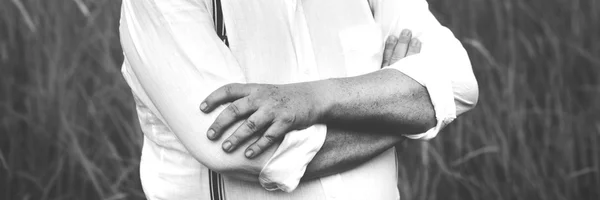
<point>171,72</point>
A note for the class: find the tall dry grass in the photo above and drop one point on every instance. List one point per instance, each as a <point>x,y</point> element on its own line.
<point>536,132</point>
<point>68,130</point>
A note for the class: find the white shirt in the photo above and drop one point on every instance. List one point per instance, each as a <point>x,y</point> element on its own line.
<point>174,60</point>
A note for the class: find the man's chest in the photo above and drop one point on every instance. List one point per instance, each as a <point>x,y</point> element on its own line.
<point>301,40</point>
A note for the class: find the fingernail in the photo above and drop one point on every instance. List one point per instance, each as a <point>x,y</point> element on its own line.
<point>414,42</point>
<point>203,106</point>
<point>405,32</point>
<point>249,153</point>
<point>227,146</point>
<point>211,134</point>
<point>392,39</point>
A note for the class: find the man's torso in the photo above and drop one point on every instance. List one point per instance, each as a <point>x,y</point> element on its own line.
<point>285,42</point>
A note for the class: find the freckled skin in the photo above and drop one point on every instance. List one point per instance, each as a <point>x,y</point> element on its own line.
<point>378,101</point>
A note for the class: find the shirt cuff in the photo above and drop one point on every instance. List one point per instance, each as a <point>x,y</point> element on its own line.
<point>286,167</point>
<point>421,69</point>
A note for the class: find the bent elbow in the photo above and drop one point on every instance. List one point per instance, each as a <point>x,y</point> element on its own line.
<point>424,117</point>
<point>234,164</point>
<point>233,170</point>
<point>466,95</point>
<point>216,166</point>
<point>464,83</point>
<point>211,156</point>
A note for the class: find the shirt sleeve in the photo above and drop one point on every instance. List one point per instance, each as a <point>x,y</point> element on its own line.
<point>288,164</point>
<point>177,61</point>
<point>442,66</point>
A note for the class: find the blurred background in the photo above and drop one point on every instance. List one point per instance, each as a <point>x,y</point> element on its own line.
<point>68,128</point>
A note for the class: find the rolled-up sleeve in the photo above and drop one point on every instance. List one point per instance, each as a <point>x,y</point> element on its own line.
<point>286,167</point>
<point>442,66</point>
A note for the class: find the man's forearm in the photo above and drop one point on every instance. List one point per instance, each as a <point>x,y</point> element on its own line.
<point>385,100</point>
<point>345,149</point>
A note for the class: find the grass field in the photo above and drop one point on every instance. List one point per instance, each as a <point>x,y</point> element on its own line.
<point>68,131</point>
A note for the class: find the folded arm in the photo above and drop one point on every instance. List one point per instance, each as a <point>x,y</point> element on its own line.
<point>345,149</point>
<point>176,73</point>
<point>443,67</point>
<point>416,96</point>
<point>176,83</point>
<point>439,79</point>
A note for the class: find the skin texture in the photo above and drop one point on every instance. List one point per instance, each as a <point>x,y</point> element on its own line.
<point>386,99</point>
<point>345,149</point>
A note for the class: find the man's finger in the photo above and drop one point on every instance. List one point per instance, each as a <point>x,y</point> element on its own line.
<point>414,47</point>
<point>401,46</point>
<point>273,133</point>
<point>390,44</point>
<point>229,116</point>
<point>255,123</point>
<point>224,94</point>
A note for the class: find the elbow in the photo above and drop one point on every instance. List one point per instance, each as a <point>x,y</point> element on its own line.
<point>233,164</point>
<point>232,169</point>
<point>212,158</point>
<point>222,163</point>
<point>214,163</point>
<point>466,92</point>
<point>464,84</point>
<point>217,166</point>
<point>427,120</point>
<point>424,117</point>
<point>468,99</point>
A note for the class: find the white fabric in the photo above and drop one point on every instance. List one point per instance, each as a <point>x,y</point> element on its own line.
<point>287,165</point>
<point>292,60</point>
<point>442,66</point>
<point>174,60</point>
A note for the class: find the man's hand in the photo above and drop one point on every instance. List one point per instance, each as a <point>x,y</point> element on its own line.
<point>400,47</point>
<point>274,110</point>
